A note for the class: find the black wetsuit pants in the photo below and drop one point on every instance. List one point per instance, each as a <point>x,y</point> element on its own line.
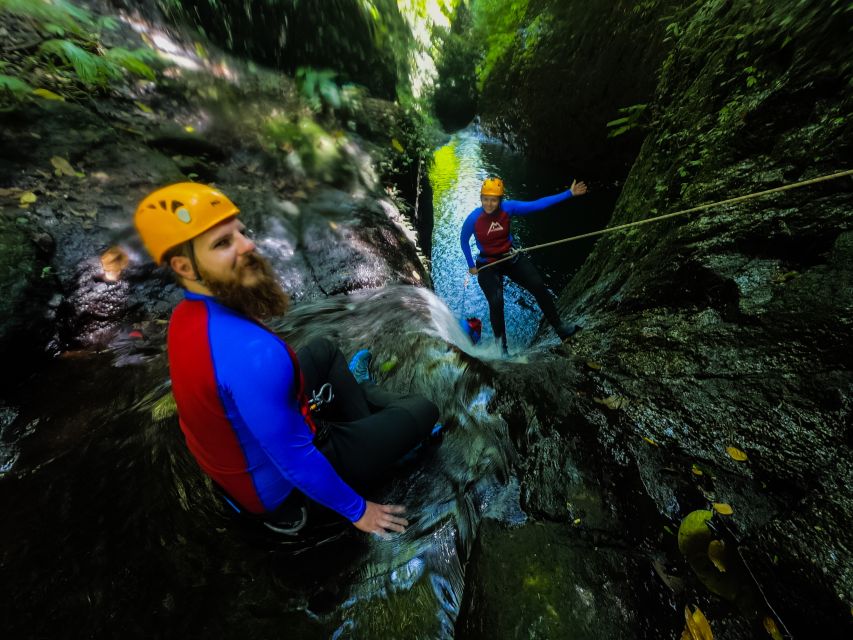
<point>364,430</point>
<point>522,272</point>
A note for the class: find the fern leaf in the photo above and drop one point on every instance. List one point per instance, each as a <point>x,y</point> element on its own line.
<point>132,61</point>
<point>618,121</point>
<point>107,23</point>
<point>54,29</point>
<point>50,15</point>
<point>13,84</point>
<point>619,131</point>
<point>74,12</point>
<point>90,68</point>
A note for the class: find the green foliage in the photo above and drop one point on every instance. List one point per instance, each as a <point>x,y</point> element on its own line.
<point>133,61</point>
<point>645,7</point>
<point>98,70</point>
<point>78,49</point>
<point>631,119</point>
<point>15,86</point>
<point>496,25</point>
<point>316,150</point>
<point>455,97</point>
<point>90,68</point>
<point>51,16</point>
<point>753,75</point>
<point>673,31</point>
<point>318,87</point>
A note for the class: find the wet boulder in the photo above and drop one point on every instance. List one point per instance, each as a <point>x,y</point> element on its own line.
<point>539,581</point>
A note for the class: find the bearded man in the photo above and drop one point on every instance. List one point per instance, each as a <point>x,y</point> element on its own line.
<point>241,391</point>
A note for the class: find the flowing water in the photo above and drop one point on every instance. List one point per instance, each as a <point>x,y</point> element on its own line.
<point>459,169</point>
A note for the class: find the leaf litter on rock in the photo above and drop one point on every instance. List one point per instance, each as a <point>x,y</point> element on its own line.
<point>723,509</point>
<point>48,95</point>
<point>697,626</point>
<point>63,168</point>
<point>717,554</point>
<point>772,628</point>
<point>736,454</point>
<point>612,402</point>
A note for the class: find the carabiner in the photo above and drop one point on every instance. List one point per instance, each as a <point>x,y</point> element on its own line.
<point>324,396</point>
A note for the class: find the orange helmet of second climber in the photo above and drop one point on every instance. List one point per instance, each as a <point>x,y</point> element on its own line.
<point>492,187</point>
<point>172,215</point>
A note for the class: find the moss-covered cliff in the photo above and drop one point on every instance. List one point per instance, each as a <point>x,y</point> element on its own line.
<point>734,327</point>
<point>555,73</point>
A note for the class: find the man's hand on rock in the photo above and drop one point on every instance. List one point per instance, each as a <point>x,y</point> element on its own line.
<point>472,271</point>
<point>381,519</point>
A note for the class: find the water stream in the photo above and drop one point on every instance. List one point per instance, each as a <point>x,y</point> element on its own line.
<point>457,173</point>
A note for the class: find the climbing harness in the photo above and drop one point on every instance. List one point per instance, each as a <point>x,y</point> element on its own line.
<point>290,518</point>
<point>750,196</point>
<point>324,396</point>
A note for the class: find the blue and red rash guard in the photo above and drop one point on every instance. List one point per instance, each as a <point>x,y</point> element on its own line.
<point>236,388</point>
<point>491,231</point>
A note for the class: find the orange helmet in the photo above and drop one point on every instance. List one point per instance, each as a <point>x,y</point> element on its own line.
<point>177,213</point>
<point>492,187</point>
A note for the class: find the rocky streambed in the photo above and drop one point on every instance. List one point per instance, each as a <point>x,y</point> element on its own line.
<point>553,505</point>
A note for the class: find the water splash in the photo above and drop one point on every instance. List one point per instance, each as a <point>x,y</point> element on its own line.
<point>415,580</point>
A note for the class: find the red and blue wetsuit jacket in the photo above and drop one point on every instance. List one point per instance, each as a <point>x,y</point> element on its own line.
<point>238,390</point>
<point>492,231</point>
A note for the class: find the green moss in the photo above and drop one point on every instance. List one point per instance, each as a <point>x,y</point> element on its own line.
<point>403,614</point>
<point>317,149</point>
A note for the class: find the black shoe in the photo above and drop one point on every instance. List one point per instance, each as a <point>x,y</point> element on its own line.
<point>566,331</point>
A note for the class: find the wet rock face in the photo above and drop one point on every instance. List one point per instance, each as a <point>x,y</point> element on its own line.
<point>733,327</point>
<point>335,244</point>
<point>568,60</point>
<point>27,304</point>
<point>59,291</point>
<point>337,34</point>
<point>538,581</point>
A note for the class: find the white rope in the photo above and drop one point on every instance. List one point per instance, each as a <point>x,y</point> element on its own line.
<point>701,207</point>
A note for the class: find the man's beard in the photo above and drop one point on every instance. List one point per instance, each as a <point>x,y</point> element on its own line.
<point>261,300</point>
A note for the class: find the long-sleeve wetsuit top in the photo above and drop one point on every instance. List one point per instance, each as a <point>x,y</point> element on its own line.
<point>236,388</point>
<point>491,231</point>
